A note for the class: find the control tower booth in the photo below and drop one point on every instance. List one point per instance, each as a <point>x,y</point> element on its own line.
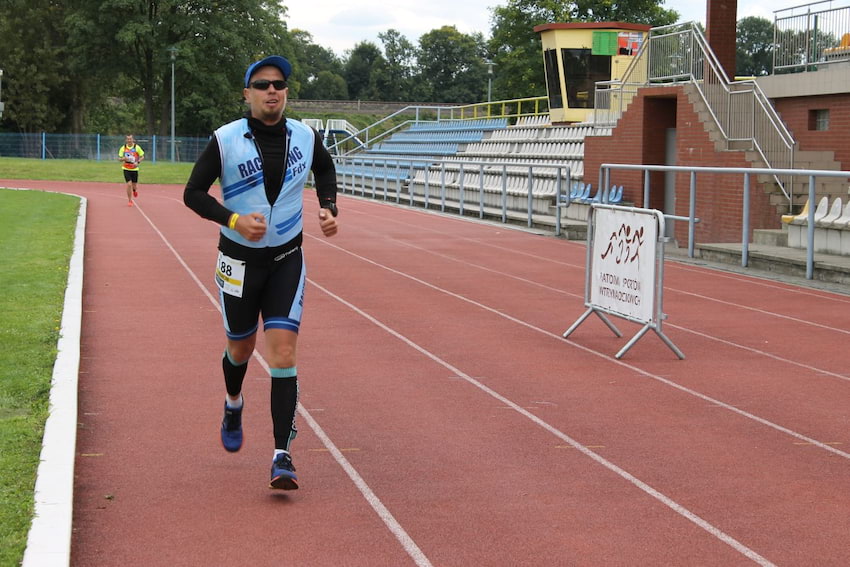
<point>578,55</point>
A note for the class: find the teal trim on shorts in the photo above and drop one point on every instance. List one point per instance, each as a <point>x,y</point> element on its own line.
<point>290,372</point>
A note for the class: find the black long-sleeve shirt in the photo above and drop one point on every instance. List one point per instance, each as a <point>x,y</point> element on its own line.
<point>272,143</point>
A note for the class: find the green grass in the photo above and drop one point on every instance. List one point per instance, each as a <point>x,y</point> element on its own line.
<point>90,170</point>
<point>36,237</point>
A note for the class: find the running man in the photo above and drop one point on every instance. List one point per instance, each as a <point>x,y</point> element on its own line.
<point>131,155</point>
<point>262,161</point>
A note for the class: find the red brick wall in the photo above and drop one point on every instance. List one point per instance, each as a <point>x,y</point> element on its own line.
<point>639,139</point>
<point>795,114</point>
<point>721,23</point>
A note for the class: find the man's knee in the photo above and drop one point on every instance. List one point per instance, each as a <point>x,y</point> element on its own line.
<point>281,348</point>
<point>240,351</point>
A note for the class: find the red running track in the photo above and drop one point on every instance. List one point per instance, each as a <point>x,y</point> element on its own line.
<point>445,421</point>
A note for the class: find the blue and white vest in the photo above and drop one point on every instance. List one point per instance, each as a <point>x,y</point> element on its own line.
<point>242,181</point>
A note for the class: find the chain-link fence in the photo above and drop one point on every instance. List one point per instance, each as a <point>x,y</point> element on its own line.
<point>97,146</point>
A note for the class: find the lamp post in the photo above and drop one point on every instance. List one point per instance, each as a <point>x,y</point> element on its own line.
<point>1,94</point>
<point>173,51</point>
<point>489,64</point>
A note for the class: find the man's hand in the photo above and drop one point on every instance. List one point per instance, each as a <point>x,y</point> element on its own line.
<point>252,226</point>
<point>327,222</point>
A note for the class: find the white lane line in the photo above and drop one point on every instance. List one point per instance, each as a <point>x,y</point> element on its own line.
<point>669,502</point>
<point>605,357</point>
<point>369,495</point>
<point>762,311</point>
<point>746,278</point>
<point>581,297</point>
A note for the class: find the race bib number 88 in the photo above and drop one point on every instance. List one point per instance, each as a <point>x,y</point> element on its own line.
<point>230,275</point>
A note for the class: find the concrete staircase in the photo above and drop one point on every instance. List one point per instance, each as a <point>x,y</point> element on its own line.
<point>798,187</point>
<point>803,159</point>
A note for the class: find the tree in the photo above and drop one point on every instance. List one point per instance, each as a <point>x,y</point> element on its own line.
<point>451,65</point>
<point>215,43</point>
<point>38,86</point>
<point>317,71</point>
<point>394,77</point>
<point>754,47</point>
<point>362,60</point>
<point>327,85</point>
<point>647,12</point>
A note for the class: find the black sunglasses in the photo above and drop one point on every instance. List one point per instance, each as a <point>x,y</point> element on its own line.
<point>263,84</point>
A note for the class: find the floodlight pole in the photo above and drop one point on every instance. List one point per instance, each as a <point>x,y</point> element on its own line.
<point>1,93</point>
<point>173,51</point>
<point>489,64</point>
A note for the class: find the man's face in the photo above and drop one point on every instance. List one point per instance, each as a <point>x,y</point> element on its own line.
<point>130,141</point>
<point>266,105</point>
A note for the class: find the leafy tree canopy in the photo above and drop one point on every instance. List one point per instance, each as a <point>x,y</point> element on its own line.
<point>106,65</point>
<point>452,65</point>
<point>754,47</point>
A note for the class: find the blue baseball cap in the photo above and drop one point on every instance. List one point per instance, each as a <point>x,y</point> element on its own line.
<point>273,60</point>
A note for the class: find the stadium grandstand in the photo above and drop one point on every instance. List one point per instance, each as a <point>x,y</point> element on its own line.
<point>732,163</point>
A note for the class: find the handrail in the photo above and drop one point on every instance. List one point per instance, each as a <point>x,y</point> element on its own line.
<point>756,89</point>
<point>390,167</point>
<point>679,53</point>
<point>812,174</point>
<point>512,108</point>
<point>765,131</point>
<point>810,36</point>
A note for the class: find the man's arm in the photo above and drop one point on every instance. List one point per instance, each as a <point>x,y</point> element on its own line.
<point>196,195</point>
<point>324,173</point>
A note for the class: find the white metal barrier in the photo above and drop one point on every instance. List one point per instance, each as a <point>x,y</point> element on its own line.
<point>624,275</point>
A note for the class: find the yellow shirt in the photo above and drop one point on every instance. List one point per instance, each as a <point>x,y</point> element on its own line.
<point>132,156</point>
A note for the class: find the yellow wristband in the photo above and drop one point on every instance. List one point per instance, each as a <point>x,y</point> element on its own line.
<point>231,224</point>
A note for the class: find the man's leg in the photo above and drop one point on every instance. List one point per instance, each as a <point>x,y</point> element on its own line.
<point>234,365</point>
<point>240,316</point>
<point>280,346</point>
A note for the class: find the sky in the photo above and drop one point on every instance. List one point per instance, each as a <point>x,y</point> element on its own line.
<point>340,25</point>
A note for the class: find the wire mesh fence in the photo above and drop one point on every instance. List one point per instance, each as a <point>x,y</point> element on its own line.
<point>97,146</point>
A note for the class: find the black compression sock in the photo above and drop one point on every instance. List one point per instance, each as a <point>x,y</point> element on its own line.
<point>234,374</point>
<point>284,400</point>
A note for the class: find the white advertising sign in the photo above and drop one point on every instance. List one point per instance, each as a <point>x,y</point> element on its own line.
<point>623,263</point>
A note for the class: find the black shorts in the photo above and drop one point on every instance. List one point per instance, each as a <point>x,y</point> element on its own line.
<point>131,175</point>
<point>272,287</point>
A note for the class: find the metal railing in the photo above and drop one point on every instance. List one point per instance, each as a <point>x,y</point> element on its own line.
<point>389,178</point>
<point>811,35</point>
<point>692,219</point>
<point>743,114</point>
<point>510,109</point>
<point>391,182</point>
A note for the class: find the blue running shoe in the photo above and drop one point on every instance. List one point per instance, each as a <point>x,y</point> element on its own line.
<point>283,473</point>
<point>231,429</point>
